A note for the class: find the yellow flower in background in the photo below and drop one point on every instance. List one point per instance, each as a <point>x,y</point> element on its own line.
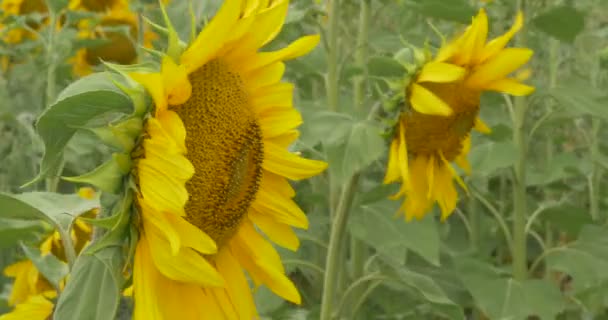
<point>213,169</point>
<point>19,7</point>
<point>120,47</point>
<point>29,282</point>
<point>99,5</point>
<point>444,98</point>
<point>37,307</point>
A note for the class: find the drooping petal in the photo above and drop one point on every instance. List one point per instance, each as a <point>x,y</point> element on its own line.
<point>440,72</point>
<point>426,102</point>
<point>505,62</point>
<point>289,165</point>
<point>510,86</point>
<point>496,45</point>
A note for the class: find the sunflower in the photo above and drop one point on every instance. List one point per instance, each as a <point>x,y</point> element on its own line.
<point>20,7</point>
<point>118,47</point>
<point>98,5</point>
<point>212,169</point>
<point>31,291</point>
<point>444,95</point>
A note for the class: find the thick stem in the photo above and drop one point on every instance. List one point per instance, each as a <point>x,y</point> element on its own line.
<point>332,263</point>
<point>52,181</point>
<point>519,252</point>
<point>331,80</point>
<point>361,53</point>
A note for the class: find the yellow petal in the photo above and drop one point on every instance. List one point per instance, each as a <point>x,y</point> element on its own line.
<point>180,300</point>
<point>440,72</point>
<point>268,75</point>
<point>153,82</point>
<point>191,236</point>
<point>481,126</point>
<point>510,86</point>
<point>212,37</point>
<point>445,194</point>
<point>403,155</point>
<point>281,208</point>
<point>417,204</point>
<point>271,181</point>
<point>496,45</point>
<point>266,26</point>
<point>34,308</point>
<point>224,303</point>
<point>187,266</point>
<point>277,121</point>
<point>176,83</point>
<point>236,284</point>
<point>174,127</point>
<point>461,159</point>
<point>279,233</point>
<point>426,102</point>
<point>145,278</point>
<point>210,305</point>
<point>505,62</point>
<point>289,165</point>
<point>296,49</point>
<point>279,95</point>
<point>392,170</point>
<point>160,189</point>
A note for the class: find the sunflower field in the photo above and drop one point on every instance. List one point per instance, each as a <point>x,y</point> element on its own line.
<point>303,159</point>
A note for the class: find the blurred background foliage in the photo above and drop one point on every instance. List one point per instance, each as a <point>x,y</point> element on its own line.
<point>458,269</point>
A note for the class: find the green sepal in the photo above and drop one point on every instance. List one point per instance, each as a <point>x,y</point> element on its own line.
<point>133,90</point>
<point>122,135</point>
<point>174,50</point>
<point>116,225</point>
<point>108,177</point>
<point>124,162</point>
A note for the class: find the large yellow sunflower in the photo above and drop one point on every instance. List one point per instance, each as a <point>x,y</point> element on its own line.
<point>212,170</point>
<point>443,97</point>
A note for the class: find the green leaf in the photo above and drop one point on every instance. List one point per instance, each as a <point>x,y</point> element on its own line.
<point>489,157</point>
<point>567,218</point>
<point>108,177</point>
<point>56,6</point>
<point>59,210</point>
<point>563,22</point>
<point>93,290</point>
<point>391,236</point>
<point>116,234</point>
<point>363,146</point>
<point>507,298</point>
<point>385,67</point>
<point>53,269</point>
<point>13,231</point>
<point>577,94</point>
<point>81,102</point>
<point>454,10</point>
<point>429,291</point>
<point>585,260</point>
<point>326,126</point>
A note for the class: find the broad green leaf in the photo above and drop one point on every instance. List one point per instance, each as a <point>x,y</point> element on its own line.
<point>385,67</point>
<point>93,290</point>
<point>53,269</point>
<point>569,219</point>
<point>577,94</point>
<point>391,236</point>
<point>12,231</point>
<point>487,158</point>
<point>505,298</point>
<point>585,260</point>
<point>58,209</point>
<point>428,290</point>
<point>562,166</point>
<point>563,22</point>
<point>455,10</point>
<point>363,146</point>
<point>80,103</point>
<point>329,127</point>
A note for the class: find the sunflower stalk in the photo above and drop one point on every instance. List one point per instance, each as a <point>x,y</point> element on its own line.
<point>336,237</point>
<point>52,181</point>
<point>519,248</point>
<point>358,249</point>
<point>332,82</point>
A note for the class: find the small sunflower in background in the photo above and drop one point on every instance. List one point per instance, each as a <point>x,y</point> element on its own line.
<point>117,29</point>
<point>213,167</point>
<point>443,97</point>
<point>15,8</point>
<point>31,293</point>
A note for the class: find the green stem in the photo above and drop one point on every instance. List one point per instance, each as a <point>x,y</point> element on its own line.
<point>332,80</point>
<point>361,53</point>
<point>474,224</point>
<point>332,262</point>
<point>52,181</point>
<point>68,247</point>
<point>519,249</point>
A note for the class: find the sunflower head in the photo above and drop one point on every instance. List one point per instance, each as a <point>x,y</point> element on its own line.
<point>442,107</point>
<point>209,165</point>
